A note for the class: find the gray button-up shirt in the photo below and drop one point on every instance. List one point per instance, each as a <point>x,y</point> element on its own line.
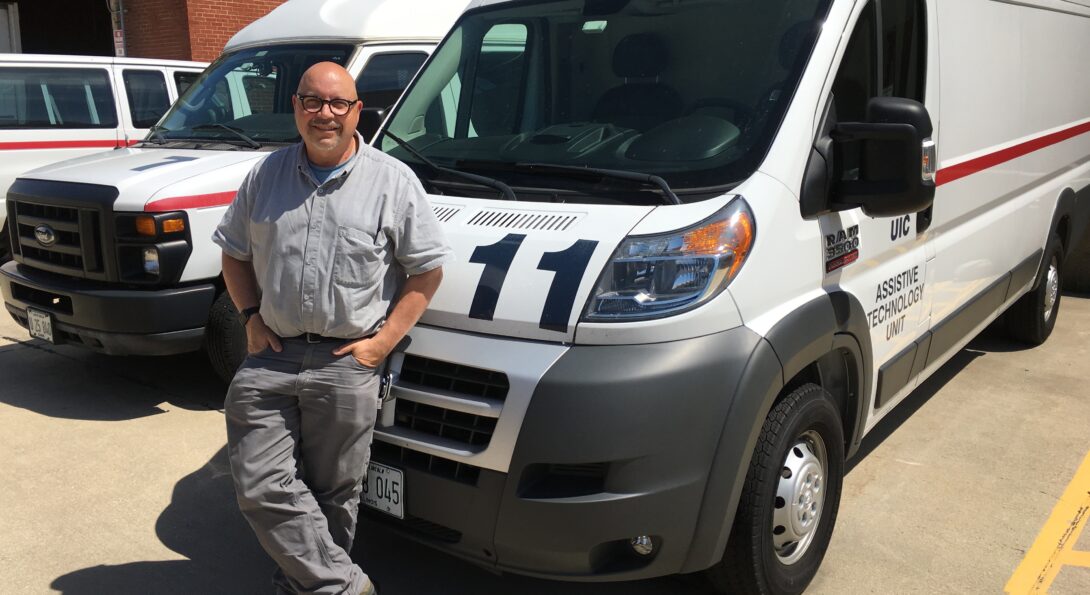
<point>330,259</point>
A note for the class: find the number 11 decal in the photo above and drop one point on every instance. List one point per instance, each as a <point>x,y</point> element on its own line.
<point>568,266</point>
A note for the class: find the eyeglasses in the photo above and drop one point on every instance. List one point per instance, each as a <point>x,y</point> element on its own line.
<point>313,105</point>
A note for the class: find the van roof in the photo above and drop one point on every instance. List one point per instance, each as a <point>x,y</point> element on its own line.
<point>375,21</point>
<point>104,60</point>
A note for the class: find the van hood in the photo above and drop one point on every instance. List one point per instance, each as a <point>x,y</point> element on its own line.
<point>144,176</point>
<point>524,270</point>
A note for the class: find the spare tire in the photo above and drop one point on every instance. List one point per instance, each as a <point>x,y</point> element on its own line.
<point>224,338</point>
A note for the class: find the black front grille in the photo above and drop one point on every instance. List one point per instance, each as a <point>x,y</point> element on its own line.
<point>46,300</point>
<point>432,373</point>
<point>397,456</point>
<point>474,430</point>
<point>76,247</point>
<point>419,526</point>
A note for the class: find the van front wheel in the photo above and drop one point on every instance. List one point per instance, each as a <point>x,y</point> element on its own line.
<point>5,245</point>
<point>789,501</point>
<point>1032,318</point>
<point>224,338</point>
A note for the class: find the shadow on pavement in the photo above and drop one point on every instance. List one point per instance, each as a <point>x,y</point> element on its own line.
<point>203,524</point>
<point>992,339</point>
<point>72,383</point>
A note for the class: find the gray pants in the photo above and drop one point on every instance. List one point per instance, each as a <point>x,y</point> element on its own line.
<point>299,427</point>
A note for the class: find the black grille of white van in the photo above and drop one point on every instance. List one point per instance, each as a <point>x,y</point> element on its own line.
<point>447,383</point>
<point>59,239</point>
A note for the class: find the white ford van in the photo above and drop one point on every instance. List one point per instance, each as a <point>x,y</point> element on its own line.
<point>113,251</point>
<point>707,245</point>
<point>54,108</point>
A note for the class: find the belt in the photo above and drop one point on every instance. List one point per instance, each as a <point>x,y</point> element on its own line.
<point>313,338</point>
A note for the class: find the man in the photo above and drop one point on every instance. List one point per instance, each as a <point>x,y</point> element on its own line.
<point>316,249</point>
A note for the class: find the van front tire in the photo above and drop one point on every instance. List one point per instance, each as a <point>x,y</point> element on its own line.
<point>224,338</point>
<point>789,501</point>
<point>1032,318</point>
<point>5,245</point>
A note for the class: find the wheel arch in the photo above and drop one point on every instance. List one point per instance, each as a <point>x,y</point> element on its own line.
<point>825,341</point>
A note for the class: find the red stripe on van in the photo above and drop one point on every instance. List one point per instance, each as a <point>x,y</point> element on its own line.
<point>197,201</point>
<point>968,168</point>
<point>58,144</point>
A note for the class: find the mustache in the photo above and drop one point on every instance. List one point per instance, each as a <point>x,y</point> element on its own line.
<point>326,123</point>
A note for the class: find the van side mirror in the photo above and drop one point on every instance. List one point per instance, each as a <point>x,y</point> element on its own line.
<point>370,120</point>
<point>894,155</point>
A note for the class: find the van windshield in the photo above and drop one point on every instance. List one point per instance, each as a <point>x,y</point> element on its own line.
<point>247,92</point>
<point>689,90</point>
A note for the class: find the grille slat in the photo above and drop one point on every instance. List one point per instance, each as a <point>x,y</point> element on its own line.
<point>394,455</point>
<point>448,405</point>
<point>76,251</point>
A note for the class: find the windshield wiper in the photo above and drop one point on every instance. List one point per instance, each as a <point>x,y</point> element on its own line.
<point>504,189</point>
<point>156,135</point>
<point>253,144</point>
<point>668,195</point>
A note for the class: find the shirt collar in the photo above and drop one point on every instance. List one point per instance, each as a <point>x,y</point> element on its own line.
<point>302,164</point>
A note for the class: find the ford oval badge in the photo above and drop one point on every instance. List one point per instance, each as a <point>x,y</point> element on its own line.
<point>45,235</point>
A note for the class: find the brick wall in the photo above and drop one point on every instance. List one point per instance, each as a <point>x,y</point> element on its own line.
<point>187,29</point>
<point>157,29</point>
<point>213,22</point>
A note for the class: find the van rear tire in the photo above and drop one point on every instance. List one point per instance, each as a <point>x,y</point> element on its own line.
<point>1077,267</point>
<point>1032,318</point>
<point>224,338</point>
<point>789,501</point>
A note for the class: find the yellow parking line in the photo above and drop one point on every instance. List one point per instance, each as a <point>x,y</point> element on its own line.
<point>1053,548</point>
<point>1077,559</point>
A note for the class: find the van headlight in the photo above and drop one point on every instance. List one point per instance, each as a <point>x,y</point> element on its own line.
<point>662,275</point>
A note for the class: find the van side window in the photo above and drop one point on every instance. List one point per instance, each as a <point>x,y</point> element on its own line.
<point>147,94</point>
<point>889,65</point>
<point>386,76</point>
<point>182,80</point>
<point>892,66</point>
<point>904,48</point>
<point>56,98</point>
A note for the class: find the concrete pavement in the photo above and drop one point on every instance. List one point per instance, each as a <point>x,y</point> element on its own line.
<point>117,481</point>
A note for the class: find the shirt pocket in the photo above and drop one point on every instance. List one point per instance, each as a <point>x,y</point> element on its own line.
<point>360,258</point>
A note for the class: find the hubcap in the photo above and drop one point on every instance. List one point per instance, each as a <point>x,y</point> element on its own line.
<point>1052,288</point>
<point>800,498</point>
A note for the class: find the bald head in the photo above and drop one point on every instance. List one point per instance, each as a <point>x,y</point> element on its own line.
<point>328,76</point>
<point>330,138</point>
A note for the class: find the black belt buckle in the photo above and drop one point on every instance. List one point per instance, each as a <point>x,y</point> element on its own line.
<point>312,338</point>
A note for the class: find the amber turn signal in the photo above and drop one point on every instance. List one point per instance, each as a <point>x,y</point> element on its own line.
<point>145,226</point>
<point>173,225</point>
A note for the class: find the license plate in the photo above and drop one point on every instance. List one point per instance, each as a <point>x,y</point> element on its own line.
<point>384,489</point>
<point>40,324</point>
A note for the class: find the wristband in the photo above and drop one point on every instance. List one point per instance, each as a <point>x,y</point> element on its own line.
<point>247,313</point>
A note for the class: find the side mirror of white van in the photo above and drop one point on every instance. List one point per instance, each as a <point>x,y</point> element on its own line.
<point>370,120</point>
<point>884,165</point>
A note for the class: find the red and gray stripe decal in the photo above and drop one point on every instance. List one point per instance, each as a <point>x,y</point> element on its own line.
<point>978,164</point>
<point>67,144</point>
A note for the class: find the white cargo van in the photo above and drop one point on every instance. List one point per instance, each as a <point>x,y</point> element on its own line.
<point>54,108</point>
<point>114,251</point>
<point>709,246</point>
<point>729,238</point>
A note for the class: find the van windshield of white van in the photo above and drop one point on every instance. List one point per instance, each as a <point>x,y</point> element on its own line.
<point>691,91</point>
<point>244,98</point>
